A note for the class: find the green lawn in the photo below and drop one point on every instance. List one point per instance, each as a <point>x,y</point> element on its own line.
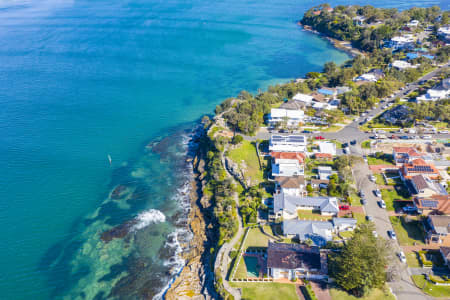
<point>360,217</point>
<point>389,196</point>
<point>312,215</point>
<point>438,291</point>
<point>378,161</point>
<point>266,291</point>
<point>346,234</point>
<point>412,258</point>
<point>355,200</point>
<point>241,271</point>
<point>380,179</point>
<point>256,239</point>
<point>245,155</point>
<point>408,232</point>
<point>375,294</point>
<point>365,144</point>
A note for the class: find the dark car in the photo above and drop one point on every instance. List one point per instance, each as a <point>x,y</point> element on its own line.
<point>363,201</point>
<point>353,142</point>
<point>306,131</point>
<point>404,137</point>
<point>344,145</point>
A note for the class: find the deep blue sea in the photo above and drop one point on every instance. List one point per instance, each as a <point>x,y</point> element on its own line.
<point>81,80</point>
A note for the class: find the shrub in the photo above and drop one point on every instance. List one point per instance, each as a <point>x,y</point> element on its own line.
<point>237,139</point>
<point>423,259</point>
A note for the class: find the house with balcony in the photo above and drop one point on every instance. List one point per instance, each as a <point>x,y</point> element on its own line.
<point>403,155</point>
<point>291,118</point>
<point>293,186</point>
<point>287,168</point>
<point>292,261</point>
<point>287,143</point>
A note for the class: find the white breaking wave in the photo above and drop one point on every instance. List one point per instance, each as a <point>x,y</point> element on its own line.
<point>148,217</point>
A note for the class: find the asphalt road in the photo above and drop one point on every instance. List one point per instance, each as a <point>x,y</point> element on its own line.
<point>403,288</point>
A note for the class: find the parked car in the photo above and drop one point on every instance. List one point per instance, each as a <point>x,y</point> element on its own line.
<point>443,131</point>
<point>375,234</point>
<point>306,131</point>
<point>392,234</point>
<point>408,209</point>
<point>382,204</point>
<point>377,193</point>
<point>361,194</point>
<point>353,142</point>
<point>363,201</point>
<point>344,207</point>
<point>320,137</point>
<point>369,218</point>
<point>426,137</point>
<point>347,150</point>
<point>402,256</point>
<point>365,158</point>
<point>372,178</point>
<point>404,137</point>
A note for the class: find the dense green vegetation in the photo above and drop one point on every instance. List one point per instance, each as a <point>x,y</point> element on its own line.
<point>379,23</point>
<point>360,266</point>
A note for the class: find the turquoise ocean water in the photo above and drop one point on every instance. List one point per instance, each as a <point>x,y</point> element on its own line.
<point>83,79</point>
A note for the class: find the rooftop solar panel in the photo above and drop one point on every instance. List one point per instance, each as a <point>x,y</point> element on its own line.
<point>429,203</point>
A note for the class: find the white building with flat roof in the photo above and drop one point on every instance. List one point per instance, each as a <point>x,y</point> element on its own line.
<point>402,65</point>
<point>434,95</point>
<point>287,143</point>
<point>327,147</point>
<point>287,168</point>
<point>402,42</point>
<point>306,99</point>
<point>291,117</point>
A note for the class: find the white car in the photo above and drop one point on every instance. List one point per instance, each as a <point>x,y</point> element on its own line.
<point>382,204</point>
<point>392,234</point>
<point>377,193</point>
<point>426,137</point>
<point>443,131</point>
<point>372,178</point>
<point>375,234</point>
<point>402,256</point>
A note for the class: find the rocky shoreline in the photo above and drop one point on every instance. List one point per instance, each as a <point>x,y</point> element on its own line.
<point>196,280</point>
<point>341,45</point>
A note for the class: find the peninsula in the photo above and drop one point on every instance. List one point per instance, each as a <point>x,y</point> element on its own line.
<point>336,184</point>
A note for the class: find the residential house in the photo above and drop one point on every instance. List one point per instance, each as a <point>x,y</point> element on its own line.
<point>286,206</point>
<point>445,252</point>
<point>398,115</point>
<point>306,99</point>
<point>435,205</point>
<point>402,65</point>
<point>320,232</point>
<point>327,147</point>
<point>292,261</point>
<point>405,154</point>
<point>444,33</point>
<point>291,118</point>
<point>359,20</point>
<point>438,231</point>
<point>299,156</point>
<point>324,172</point>
<point>319,184</point>
<point>402,42</point>
<point>418,167</point>
<point>293,186</point>
<point>413,23</point>
<point>287,143</point>
<point>425,187</point>
<point>368,77</point>
<point>287,167</point>
<point>344,224</point>
<point>318,97</point>
<point>435,94</point>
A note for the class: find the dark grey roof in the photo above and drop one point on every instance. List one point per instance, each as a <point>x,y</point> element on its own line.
<point>344,221</point>
<point>292,256</point>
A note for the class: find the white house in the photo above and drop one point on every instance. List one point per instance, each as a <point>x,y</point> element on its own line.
<point>327,147</point>
<point>291,117</point>
<point>402,42</point>
<point>369,77</point>
<point>324,172</point>
<point>344,224</point>
<point>435,95</point>
<point>320,232</point>
<point>293,186</point>
<point>413,23</point>
<point>287,143</point>
<point>401,65</point>
<point>444,33</point>
<point>287,167</point>
<point>286,206</point>
<point>306,99</point>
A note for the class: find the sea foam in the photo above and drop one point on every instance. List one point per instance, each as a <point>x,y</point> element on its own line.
<point>149,217</point>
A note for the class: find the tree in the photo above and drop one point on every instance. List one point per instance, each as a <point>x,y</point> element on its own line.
<point>237,139</point>
<point>361,264</point>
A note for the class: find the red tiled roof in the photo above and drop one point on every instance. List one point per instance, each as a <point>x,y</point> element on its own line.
<point>418,166</point>
<point>289,155</point>
<point>439,203</point>
<point>407,150</point>
<point>323,155</point>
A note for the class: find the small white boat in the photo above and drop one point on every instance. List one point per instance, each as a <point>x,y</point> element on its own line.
<point>110,159</point>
